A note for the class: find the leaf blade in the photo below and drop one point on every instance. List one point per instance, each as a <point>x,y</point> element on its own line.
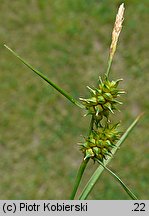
<point>65,94</point>
<point>125,187</point>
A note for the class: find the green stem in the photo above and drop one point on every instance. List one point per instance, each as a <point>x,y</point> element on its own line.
<point>82,167</point>
<point>128,191</point>
<point>79,177</point>
<point>109,67</point>
<point>91,125</point>
<point>65,94</point>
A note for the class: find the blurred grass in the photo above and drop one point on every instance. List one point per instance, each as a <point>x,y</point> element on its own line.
<point>68,40</point>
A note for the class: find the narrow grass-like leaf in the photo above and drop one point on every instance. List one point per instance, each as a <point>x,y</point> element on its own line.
<point>90,184</point>
<point>65,94</point>
<point>128,191</point>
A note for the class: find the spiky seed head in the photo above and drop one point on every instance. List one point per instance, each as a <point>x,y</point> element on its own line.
<point>103,99</point>
<point>100,142</point>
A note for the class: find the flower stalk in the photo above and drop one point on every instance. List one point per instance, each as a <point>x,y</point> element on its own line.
<point>79,177</point>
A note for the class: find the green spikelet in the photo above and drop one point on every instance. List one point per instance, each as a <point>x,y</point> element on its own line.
<point>100,142</point>
<point>103,99</point>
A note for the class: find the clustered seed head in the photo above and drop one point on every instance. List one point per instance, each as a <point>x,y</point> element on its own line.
<point>100,142</point>
<point>103,99</point>
<point>103,135</point>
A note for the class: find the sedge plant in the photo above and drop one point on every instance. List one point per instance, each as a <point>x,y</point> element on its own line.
<point>104,137</point>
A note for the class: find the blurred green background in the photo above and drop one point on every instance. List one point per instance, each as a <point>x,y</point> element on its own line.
<point>69,41</point>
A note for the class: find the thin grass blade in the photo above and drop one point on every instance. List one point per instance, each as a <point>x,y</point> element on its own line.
<point>65,94</point>
<point>128,191</point>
